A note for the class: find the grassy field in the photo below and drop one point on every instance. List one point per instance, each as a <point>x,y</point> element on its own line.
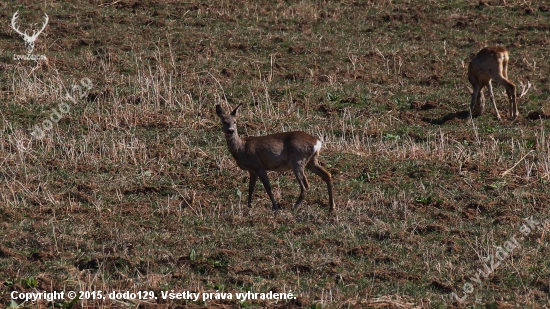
<point>131,186</point>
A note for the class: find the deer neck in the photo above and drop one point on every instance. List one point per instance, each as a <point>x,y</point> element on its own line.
<point>235,143</point>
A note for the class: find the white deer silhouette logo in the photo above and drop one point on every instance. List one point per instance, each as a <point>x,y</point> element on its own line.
<point>29,39</point>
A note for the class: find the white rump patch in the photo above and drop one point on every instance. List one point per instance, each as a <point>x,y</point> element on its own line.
<point>317,146</point>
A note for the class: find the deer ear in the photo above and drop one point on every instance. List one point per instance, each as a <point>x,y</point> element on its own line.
<point>234,112</point>
<point>219,111</point>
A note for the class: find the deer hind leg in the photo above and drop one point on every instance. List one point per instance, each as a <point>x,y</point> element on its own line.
<point>251,185</point>
<point>298,169</point>
<point>505,69</point>
<point>314,166</point>
<point>492,97</point>
<point>511,93</point>
<point>262,173</point>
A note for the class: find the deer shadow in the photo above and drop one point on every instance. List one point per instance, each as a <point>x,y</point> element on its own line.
<point>451,116</point>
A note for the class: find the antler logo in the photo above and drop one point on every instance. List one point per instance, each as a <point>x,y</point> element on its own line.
<point>29,39</point>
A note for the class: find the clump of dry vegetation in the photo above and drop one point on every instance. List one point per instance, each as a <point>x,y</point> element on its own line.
<point>133,188</point>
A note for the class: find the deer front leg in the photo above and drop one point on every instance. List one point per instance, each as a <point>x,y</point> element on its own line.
<point>474,103</point>
<point>262,173</point>
<point>480,105</point>
<point>251,185</point>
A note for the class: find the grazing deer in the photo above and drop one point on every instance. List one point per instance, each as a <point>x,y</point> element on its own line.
<point>275,152</point>
<point>490,63</point>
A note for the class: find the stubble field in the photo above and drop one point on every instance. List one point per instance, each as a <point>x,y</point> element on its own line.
<point>133,189</point>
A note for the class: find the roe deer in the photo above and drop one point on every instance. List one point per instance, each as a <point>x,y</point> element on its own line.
<point>490,63</point>
<point>275,152</point>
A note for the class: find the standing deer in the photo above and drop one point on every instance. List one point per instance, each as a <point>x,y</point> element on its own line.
<point>490,63</point>
<point>275,152</point>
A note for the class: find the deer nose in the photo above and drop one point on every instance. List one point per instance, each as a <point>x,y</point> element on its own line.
<point>230,131</point>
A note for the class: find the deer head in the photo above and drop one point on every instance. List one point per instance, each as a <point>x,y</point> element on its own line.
<point>29,39</point>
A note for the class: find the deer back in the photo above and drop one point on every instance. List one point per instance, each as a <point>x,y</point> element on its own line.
<point>274,151</point>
